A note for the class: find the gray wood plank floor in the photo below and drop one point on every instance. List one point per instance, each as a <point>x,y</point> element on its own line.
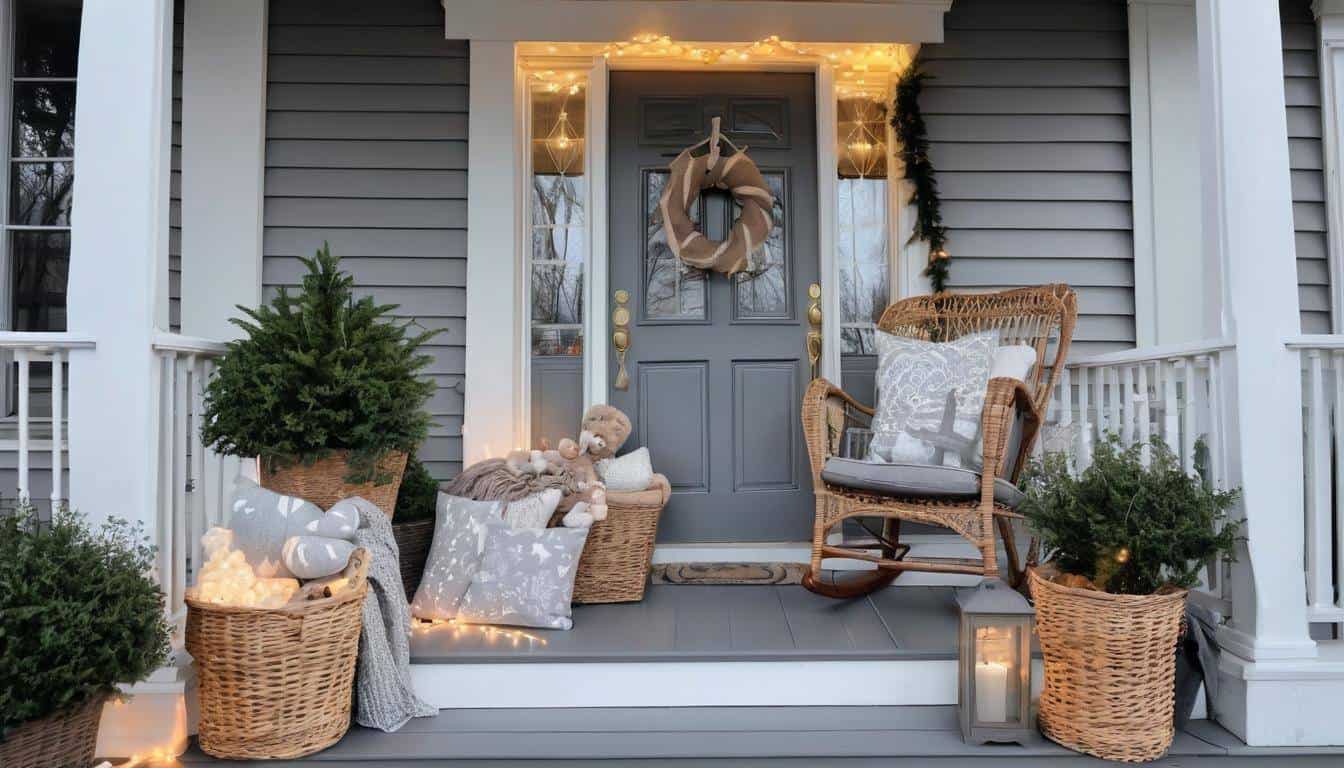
<point>745,736</point>
<point>710,623</point>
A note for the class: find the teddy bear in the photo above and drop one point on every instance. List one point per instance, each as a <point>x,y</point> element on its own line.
<point>603,431</point>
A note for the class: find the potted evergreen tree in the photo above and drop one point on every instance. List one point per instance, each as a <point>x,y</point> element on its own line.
<point>79,614</point>
<point>325,389</point>
<point>1124,541</point>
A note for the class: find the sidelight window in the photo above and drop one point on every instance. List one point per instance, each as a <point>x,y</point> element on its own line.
<point>41,124</point>
<point>862,234</point>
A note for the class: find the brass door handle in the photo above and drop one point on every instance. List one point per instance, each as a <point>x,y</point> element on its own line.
<point>620,337</point>
<point>814,324</point>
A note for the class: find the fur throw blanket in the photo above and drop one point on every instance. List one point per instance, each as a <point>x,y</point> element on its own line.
<point>492,480</point>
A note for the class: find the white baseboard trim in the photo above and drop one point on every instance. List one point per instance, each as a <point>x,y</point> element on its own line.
<point>687,684</point>
<point>1283,703</point>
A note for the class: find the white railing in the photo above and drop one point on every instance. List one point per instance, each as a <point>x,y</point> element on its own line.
<point>23,350</point>
<point>194,482</point>
<point>1323,446</point>
<point>1173,392</point>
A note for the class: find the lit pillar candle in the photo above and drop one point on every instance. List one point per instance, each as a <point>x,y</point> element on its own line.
<point>991,692</point>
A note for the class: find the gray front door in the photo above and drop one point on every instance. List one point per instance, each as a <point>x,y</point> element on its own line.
<point>717,367</point>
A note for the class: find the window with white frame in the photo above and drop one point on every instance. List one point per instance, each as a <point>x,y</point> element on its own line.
<point>862,247</point>
<point>41,124</point>
<point>558,247</point>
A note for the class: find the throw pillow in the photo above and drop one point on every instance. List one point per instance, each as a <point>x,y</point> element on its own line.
<point>262,521</point>
<point>1013,362</point>
<point>631,472</point>
<point>929,399</point>
<point>526,578</point>
<point>454,555</point>
<point>316,557</point>
<point>534,511</point>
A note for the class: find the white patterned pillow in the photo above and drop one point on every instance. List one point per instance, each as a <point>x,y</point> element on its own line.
<point>526,578</point>
<point>455,554</point>
<point>631,472</point>
<point>929,399</point>
<point>534,511</point>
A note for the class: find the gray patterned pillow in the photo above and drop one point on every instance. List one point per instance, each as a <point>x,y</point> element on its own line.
<point>929,399</point>
<point>526,578</point>
<point>459,537</point>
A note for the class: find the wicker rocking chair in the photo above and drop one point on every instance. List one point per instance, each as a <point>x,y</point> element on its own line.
<point>1042,317</point>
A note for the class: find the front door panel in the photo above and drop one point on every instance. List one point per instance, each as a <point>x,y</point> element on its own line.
<point>717,367</point>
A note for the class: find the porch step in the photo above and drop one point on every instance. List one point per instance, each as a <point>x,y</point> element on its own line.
<point>802,736</point>
<point>706,645</point>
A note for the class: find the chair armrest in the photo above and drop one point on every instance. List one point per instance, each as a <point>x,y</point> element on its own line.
<point>815,424</point>
<point>1004,399</point>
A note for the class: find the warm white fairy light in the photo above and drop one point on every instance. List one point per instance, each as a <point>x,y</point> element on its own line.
<point>491,632</point>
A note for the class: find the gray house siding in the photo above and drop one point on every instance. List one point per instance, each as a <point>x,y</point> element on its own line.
<point>175,188</point>
<point>366,148</point>
<point>1302,94</point>
<point>1028,115</point>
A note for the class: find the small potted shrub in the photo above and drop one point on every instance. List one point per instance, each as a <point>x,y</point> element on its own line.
<point>79,614</point>
<point>1124,539</point>
<point>413,526</point>
<point>325,389</point>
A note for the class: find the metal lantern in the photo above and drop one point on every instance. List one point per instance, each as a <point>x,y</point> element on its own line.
<point>994,685</point>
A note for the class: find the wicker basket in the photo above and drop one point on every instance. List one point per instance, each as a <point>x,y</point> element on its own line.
<point>616,559</point>
<point>1110,669</point>
<point>277,683</point>
<point>413,540</point>
<point>323,481</point>
<point>65,739</point>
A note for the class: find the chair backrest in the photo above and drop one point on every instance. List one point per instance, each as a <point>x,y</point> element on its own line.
<point>1039,317</point>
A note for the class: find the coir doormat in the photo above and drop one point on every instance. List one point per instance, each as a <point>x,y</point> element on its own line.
<point>728,573</point>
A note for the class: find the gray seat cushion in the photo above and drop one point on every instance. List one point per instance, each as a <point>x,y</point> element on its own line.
<point>914,480</point>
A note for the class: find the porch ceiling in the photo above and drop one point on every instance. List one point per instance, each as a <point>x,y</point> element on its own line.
<point>812,21</point>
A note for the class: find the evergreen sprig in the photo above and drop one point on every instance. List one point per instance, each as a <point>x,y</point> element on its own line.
<point>913,140</point>
<point>1130,528</point>
<point>418,494</point>
<point>320,371</point>
<point>79,613</point>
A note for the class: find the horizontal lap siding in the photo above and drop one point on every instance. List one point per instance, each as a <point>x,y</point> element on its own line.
<point>1302,95</point>
<point>1028,115</point>
<point>175,189</point>
<point>366,148</point>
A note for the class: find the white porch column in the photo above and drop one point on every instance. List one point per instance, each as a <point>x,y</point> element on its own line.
<point>494,405</point>
<point>119,253</point>
<point>1330,25</point>
<point>223,161</point>
<point>1248,231</point>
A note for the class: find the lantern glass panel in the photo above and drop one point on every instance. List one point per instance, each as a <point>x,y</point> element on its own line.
<point>998,679</point>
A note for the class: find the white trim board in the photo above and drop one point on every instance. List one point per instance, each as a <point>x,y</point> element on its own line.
<point>1330,30</point>
<point>692,684</point>
<point>581,21</point>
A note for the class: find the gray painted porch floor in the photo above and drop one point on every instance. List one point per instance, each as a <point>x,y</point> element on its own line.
<point>681,623</point>
<point>723,623</point>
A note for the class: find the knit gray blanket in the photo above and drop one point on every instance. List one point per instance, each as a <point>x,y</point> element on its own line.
<point>384,696</point>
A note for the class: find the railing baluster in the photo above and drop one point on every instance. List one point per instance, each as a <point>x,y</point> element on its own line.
<point>167,385</point>
<point>180,509</point>
<point>25,490</point>
<point>1337,357</point>
<point>1084,447</point>
<point>196,497</point>
<point>1192,400</point>
<point>1127,405</point>
<point>1141,399</point>
<point>1114,422</point>
<point>57,433</point>
<point>1171,410</point>
<point>1320,585</point>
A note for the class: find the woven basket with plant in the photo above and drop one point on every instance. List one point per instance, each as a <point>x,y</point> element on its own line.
<point>1124,539</point>
<point>325,388</point>
<point>78,616</point>
<point>413,525</point>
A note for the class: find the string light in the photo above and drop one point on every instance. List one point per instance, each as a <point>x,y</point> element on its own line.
<point>514,636</point>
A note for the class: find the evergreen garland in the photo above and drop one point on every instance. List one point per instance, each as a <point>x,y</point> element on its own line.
<point>913,140</point>
<point>320,371</point>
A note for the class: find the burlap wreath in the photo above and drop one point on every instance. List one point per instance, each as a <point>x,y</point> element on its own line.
<point>689,175</point>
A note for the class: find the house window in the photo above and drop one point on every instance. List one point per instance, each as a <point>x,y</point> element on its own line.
<point>41,160</point>
<point>862,245</point>
<point>557,200</point>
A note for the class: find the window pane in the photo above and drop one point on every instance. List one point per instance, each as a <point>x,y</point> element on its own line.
<point>41,264</point>
<point>40,194</point>
<point>857,341</point>
<point>672,290</point>
<point>46,38</point>
<point>558,244</point>
<point>44,120</point>
<point>550,341</point>
<point>557,128</point>
<point>558,200</point>
<point>764,293</point>
<point>557,293</point>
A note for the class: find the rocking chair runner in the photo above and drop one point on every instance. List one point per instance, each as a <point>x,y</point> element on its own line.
<point>1032,316</point>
